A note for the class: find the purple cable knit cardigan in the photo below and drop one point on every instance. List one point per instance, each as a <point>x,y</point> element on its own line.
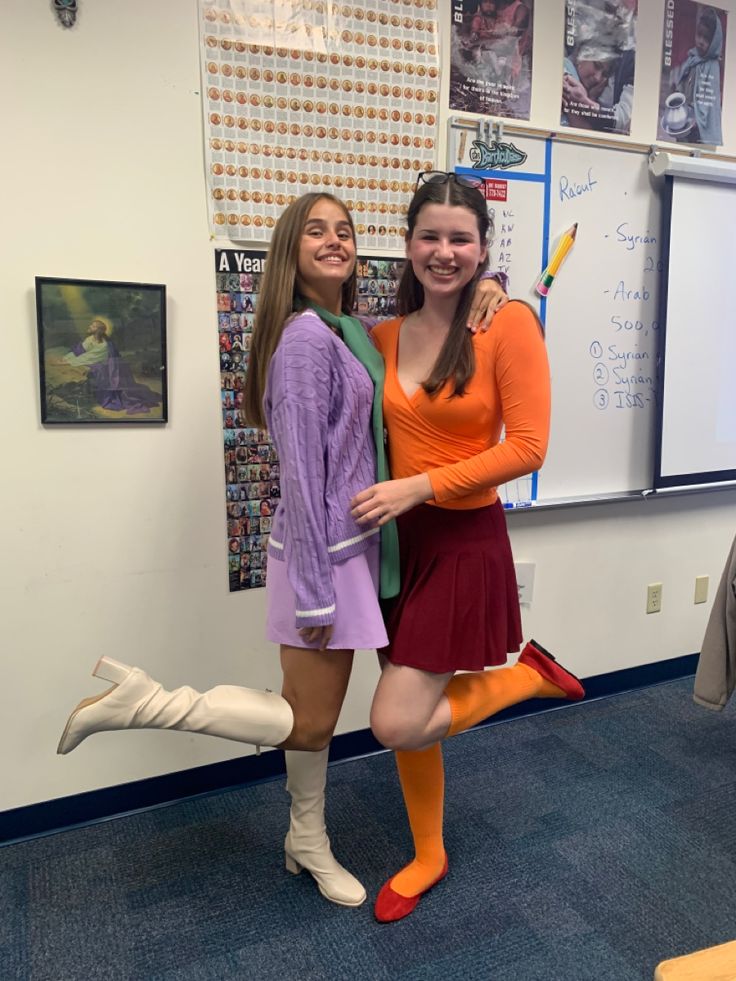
<point>318,409</point>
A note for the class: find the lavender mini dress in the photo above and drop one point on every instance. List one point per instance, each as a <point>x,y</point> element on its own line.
<point>358,621</point>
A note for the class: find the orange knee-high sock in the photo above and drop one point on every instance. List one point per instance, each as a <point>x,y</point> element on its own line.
<point>422,776</point>
<point>475,696</point>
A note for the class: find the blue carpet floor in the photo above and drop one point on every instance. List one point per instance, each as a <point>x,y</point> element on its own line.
<point>585,844</point>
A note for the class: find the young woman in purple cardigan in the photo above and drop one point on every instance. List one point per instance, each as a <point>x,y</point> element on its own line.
<point>315,382</point>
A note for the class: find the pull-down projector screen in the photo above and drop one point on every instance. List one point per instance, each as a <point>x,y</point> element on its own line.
<point>698,347</point>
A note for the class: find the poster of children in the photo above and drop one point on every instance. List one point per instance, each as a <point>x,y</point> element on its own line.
<point>691,86</point>
<point>491,57</point>
<point>251,464</point>
<point>378,280</point>
<point>598,68</point>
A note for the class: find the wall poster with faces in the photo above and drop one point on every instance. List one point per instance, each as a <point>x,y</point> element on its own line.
<point>377,283</point>
<point>251,465</point>
<point>250,461</point>
<point>317,95</point>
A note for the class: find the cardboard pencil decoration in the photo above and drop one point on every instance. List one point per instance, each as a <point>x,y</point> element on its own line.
<point>548,276</point>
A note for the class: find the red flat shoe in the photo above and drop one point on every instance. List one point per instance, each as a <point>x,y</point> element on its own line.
<point>536,657</point>
<point>391,906</point>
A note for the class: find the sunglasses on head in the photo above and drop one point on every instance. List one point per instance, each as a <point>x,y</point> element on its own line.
<point>441,177</point>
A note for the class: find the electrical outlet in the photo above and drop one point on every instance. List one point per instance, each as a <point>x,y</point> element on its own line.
<point>654,597</point>
<point>701,589</point>
<point>525,581</point>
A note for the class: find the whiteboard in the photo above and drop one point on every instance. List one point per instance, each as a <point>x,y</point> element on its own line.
<point>601,315</point>
<point>698,425</point>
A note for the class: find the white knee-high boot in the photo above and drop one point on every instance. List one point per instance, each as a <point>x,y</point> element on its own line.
<point>138,702</point>
<point>307,845</point>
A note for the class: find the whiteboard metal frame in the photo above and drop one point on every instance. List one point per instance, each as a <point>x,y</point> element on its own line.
<point>488,124</point>
<point>650,494</point>
<point>702,479</point>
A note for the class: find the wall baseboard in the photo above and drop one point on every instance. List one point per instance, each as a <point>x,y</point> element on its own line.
<point>64,813</point>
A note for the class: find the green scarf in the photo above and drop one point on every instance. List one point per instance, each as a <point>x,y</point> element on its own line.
<point>356,340</point>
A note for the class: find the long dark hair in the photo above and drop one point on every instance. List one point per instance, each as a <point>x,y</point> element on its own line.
<point>456,359</point>
<point>277,298</point>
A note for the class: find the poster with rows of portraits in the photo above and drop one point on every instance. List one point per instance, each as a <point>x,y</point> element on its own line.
<point>251,465</point>
<point>316,95</point>
<point>250,461</point>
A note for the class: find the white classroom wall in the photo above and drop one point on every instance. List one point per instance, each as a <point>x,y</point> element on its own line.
<point>113,540</point>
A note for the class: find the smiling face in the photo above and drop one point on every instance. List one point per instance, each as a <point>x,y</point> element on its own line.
<point>326,253</point>
<point>445,248</point>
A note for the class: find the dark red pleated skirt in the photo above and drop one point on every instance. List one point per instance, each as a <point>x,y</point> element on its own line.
<point>458,609</point>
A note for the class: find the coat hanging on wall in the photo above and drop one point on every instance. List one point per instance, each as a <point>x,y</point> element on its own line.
<point>66,11</point>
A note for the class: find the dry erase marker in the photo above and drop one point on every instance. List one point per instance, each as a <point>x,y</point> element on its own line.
<point>548,276</point>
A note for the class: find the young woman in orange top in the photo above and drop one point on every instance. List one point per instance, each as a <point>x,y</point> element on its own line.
<point>447,396</point>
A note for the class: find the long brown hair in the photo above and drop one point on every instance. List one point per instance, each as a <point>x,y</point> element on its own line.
<point>456,359</point>
<point>278,298</point>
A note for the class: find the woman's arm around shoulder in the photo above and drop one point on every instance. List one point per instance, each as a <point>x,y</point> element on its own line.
<point>518,325</point>
<point>514,357</point>
<point>522,375</point>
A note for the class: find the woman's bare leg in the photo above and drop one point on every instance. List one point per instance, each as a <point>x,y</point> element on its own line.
<point>413,709</point>
<point>314,685</point>
<point>410,710</point>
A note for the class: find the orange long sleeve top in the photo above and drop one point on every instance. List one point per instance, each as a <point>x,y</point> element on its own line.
<point>456,441</point>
